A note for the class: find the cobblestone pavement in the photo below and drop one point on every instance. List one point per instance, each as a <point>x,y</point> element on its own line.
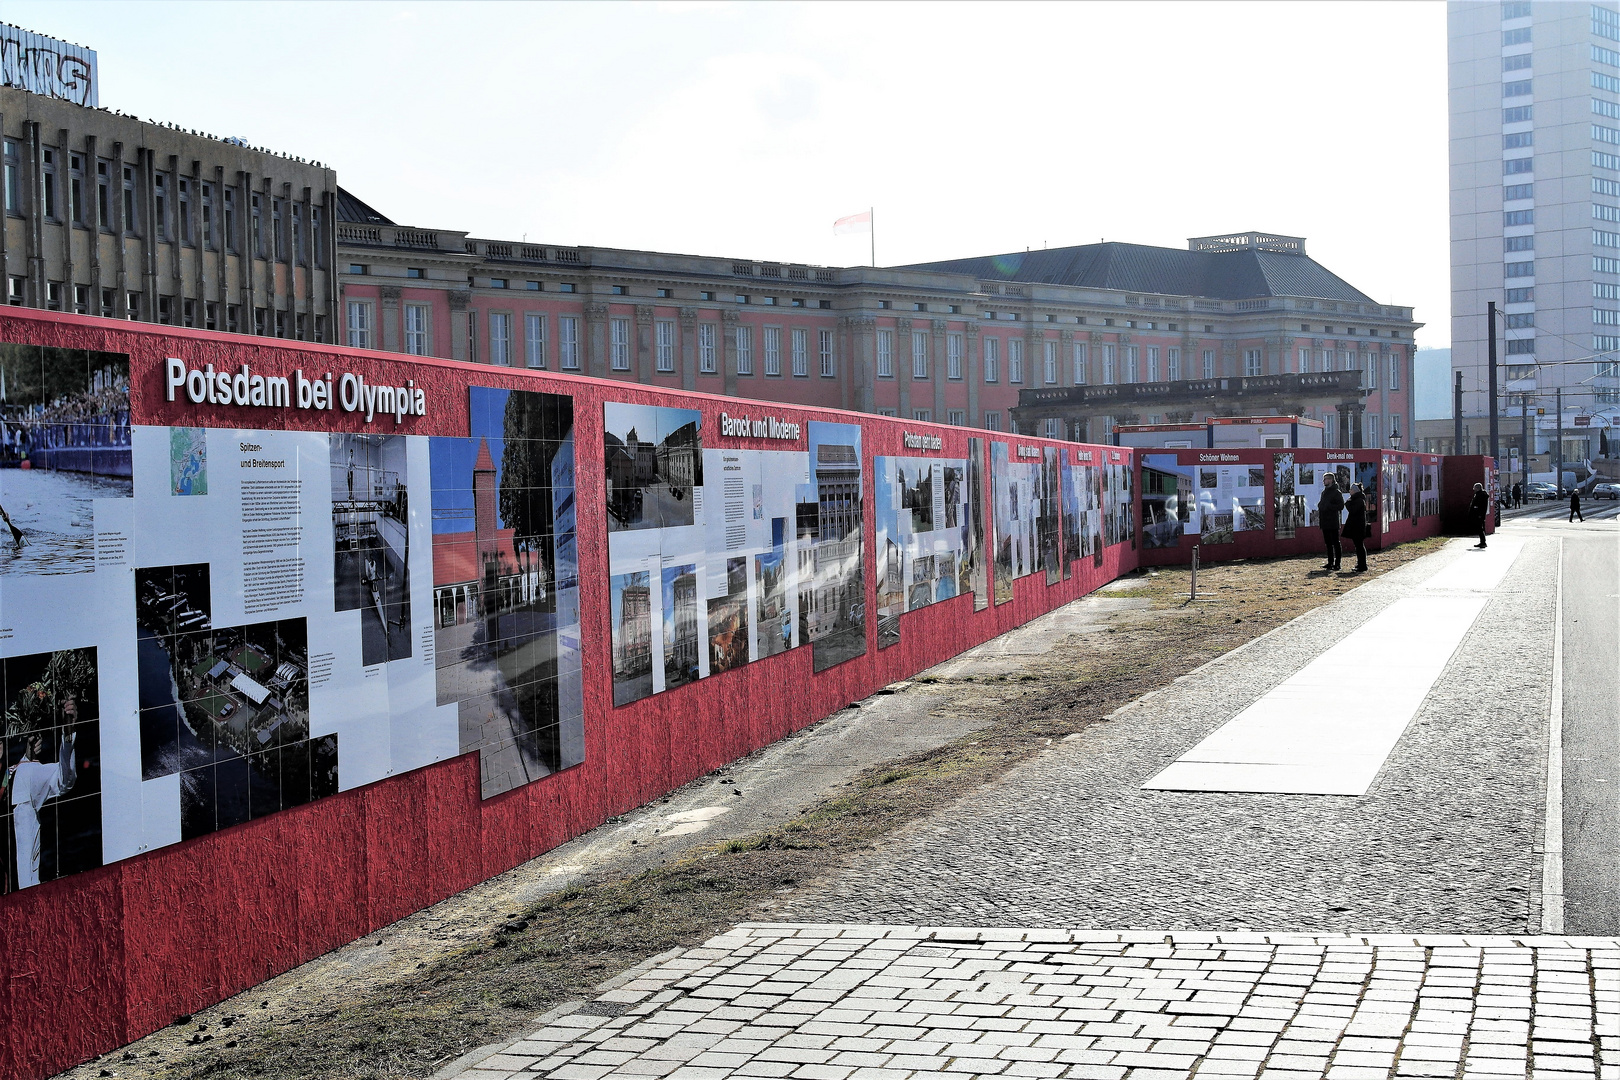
<point>875,1003</point>
<point>1446,840</point>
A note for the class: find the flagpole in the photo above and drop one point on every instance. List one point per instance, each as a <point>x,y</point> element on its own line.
<point>871,214</point>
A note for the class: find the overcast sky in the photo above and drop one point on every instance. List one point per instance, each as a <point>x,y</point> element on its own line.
<point>744,130</point>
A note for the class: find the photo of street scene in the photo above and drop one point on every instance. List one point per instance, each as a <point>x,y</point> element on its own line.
<point>728,620</point>
<point>371,544</point>
<point>1293,513</point>
<point>975,569</point>
<point>64,444</point>
<point>1428,489</point>
<point>188,460</point>
<point>50,816</point>
<point>654,460</point>
<point>920,536</point>
<point>1049,524</point>
<point>1367,477</point>
<point>832,583</point>
<point>1169,504</point>
<point>631,602</point>
<point>773,613</point>
<point>506,586</point>
<point>226,708</point>
<point>683,625</point>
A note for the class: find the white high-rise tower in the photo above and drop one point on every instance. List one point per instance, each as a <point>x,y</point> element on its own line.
<point>1535,215</point>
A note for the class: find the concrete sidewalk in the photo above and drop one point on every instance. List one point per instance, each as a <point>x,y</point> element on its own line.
<point>1389,934</point>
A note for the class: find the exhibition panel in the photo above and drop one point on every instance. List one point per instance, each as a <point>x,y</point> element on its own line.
<point>1257,503</point>
<point>297,640</point>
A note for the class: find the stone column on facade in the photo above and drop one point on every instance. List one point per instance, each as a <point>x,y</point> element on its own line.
<point>728,351</point>
<point>596,314</point>
<point>1065,358</point>
<point>972,372</point>
<point>688,347</point>
<point>120,254</point>
<point>1229,361</point>
<point>644,353</point>
<point>390,295</point>
<point>937,366</point>
<point>459,301</point>
<point>93,238</point>
<point>863,361</point>
<point>1275,364</point>
<point>67,230</point>
<point>902,362</point>
<point>1034,354</point>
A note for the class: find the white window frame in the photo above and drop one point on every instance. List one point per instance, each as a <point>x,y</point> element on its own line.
<point>1209,363</point>
<point>885,354</point>
<point>919,354</point>
<point>534,339</point>
<point>1253,364</point>
<point>1049,428</point>
<point>359,324</point>
<point>992,420</point>
<point>1370,437</point>
<point>923,416</point>
<point>1133,362</point>
<point>707,339</point>
<point>954,345</point>
<point>1304,361</point>
<point>1050,362</point>
<point>500,338</point>
<point>773,350</point>
<point>1153,363</point>
<point>744,338</point>
<point>1108,365</point>
<point>568,342</point>
<point>1015,360</point>
<point>829,363</point>
<point>801,353</point>
<point>992,361</point>
<point>1081,364</point>
<point>418,338</point>
<point>619,344</point>
<point>1172,364</point>
<point>664,345</point>
<point>958,417</point>
<point>1369,364</point>
<point>1394,371</point>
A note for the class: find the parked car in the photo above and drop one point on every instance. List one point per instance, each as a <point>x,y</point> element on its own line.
<point>1540,489</point>
<point>1606,491</point>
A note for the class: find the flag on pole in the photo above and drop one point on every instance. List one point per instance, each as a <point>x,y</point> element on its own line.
<point>854,224</point>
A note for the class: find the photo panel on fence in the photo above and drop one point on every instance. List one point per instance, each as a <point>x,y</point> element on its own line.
<point>978,572</point>
<point>505,586</point>
<point>923,534</point>
<point>1169,501</point>
<point>1231,499</point>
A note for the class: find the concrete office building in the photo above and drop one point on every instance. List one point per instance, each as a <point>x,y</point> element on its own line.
<point>954,342</point>
<point>107,214</point>
<point>1535,217</point>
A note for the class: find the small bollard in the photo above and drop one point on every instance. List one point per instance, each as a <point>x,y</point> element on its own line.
<point>1192,592</point>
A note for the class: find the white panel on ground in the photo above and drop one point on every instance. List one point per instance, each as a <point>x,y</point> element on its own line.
<point>1310,735</point>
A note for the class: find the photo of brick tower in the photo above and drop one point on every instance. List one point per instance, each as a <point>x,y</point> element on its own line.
<point>506,586</point>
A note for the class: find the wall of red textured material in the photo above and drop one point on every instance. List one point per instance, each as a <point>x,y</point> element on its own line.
<point>92,961</point>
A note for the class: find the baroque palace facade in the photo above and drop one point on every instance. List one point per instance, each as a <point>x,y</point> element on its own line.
<point>1068,341</point>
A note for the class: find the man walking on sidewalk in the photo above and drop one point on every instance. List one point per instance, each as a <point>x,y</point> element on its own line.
<point>1479,508</point>
<point>1575,505</point>
<point>1328,509</point>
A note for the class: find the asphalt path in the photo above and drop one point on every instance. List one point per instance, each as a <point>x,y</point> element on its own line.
<point>1591,727</point>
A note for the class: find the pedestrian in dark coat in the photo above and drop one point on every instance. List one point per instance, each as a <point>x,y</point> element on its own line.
<point>1479,508</point>
<point>1575,505</point>
<point>1355,525</point>
<point>1328,509</point>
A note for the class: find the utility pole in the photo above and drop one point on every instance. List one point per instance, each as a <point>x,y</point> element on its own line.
<point>1457,446</point>
<point>1490,358</point>
<point>1524,438</point>
<point>1558,475</point>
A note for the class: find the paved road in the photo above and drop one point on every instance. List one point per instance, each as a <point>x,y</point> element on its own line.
<point>1444,841</point>
<point>1591,711</point>
<point>888,1003</point>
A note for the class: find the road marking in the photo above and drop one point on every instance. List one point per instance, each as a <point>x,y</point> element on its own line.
<point>1552,866</point>
<point>1300,739</point>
